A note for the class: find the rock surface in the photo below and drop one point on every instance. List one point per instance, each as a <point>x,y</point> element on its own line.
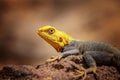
<point>57,70</point>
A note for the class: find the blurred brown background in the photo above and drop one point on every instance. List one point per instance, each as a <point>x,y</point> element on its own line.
<point>97,20</point>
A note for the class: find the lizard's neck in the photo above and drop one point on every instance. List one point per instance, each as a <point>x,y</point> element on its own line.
<point>63,40</point>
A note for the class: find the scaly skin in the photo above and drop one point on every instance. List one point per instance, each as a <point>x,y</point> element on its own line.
<point>93,52</point>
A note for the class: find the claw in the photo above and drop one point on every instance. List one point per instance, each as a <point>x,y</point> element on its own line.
<point>82,72</point>
<point>59,57</point>
<point>54,58</point>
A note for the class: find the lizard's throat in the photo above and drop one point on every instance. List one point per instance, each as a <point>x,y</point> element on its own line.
<point>56,46</point>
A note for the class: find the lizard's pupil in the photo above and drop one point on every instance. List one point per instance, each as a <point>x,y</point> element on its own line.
<point>51,31</point>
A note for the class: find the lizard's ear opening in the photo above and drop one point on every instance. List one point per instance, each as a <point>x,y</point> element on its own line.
<point>60,39</point>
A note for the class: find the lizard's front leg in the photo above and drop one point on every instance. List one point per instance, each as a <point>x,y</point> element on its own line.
<point>54,58</point>
<point>63,54</point>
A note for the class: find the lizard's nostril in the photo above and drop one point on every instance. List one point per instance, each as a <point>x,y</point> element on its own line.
<point>39,31</point>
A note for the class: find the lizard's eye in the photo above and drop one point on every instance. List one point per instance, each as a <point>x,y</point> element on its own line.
<point>51,31</point>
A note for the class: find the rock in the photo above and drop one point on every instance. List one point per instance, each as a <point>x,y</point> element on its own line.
<point>57,70</point>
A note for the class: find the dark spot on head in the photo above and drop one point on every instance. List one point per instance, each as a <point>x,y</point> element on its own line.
<point>60,39</point>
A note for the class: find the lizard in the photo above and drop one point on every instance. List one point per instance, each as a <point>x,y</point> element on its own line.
<point>93,52</point>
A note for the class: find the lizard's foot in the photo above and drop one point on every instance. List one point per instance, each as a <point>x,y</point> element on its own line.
<point>80,73</point>
<point>83,72</point>
<point>54,58</point>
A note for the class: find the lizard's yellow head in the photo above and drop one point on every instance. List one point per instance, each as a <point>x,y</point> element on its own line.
<point>56,38</point>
